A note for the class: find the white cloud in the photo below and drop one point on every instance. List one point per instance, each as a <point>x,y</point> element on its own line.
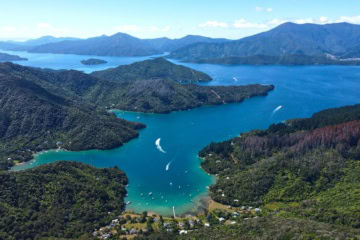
<point>214,24</point>
<point>242,23</point>
<point>324,20</point>
<point>321,20</point>
<point>276,22</point>
<point>303,21</point>
<point>353,19</point>
<point>269,9</point>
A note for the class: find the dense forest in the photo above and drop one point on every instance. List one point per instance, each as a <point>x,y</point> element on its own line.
<point>154,86</point>
<point>60,200</point>
<point>311,165</point>
<point>155,68</point>
<point>164,96</point>
<point>264,228</point>
<point>38,114</point>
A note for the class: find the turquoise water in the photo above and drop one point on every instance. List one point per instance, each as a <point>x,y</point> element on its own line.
<point>300,91</point>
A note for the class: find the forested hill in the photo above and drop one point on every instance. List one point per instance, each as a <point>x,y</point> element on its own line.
<point>37,110</point>
<point>155,68</point>
<point>306,168</point>
<point>63,200</point>
<point>153,86</point>
<point>165,96</point>
<point>41,107</point>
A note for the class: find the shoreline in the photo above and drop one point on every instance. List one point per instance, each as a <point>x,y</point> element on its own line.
<point>199,203</point>
<point>204,105</point>
<point>34,153</point>
<point>33,159</point>
<point>198,208</point>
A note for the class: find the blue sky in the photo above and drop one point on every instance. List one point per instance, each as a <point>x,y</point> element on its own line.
<point>234,19</point>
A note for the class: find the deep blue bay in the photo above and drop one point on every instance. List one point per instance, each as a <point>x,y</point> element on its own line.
<point>300,90</point>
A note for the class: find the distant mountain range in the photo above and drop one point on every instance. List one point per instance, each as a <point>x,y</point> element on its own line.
<point>288,43</point>
<point>340,40</point>
<point>119,44</point>
<point>45,40</point>
<point>169,45</point>
<point>29,44</point>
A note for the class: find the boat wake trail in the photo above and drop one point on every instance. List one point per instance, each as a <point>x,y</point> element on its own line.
<point>167,166</point>
<point>235,79</point>
<point>277,109</point>
<point>157,143</point>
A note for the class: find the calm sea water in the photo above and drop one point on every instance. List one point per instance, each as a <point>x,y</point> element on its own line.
<point>300,91</point>
<point>70,61</point>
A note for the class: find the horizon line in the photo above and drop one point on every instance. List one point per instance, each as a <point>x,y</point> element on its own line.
<point>24,39</point>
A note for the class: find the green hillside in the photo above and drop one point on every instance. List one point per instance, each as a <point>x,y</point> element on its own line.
<point>60,200</point>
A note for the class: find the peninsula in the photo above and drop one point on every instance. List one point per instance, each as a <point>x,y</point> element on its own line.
<point>39,112</point>
<point>157,86</point>
<point>4,57</point>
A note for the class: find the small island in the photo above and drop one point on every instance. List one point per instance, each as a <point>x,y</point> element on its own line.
<point>93,61</point>
<point>4,57</point>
